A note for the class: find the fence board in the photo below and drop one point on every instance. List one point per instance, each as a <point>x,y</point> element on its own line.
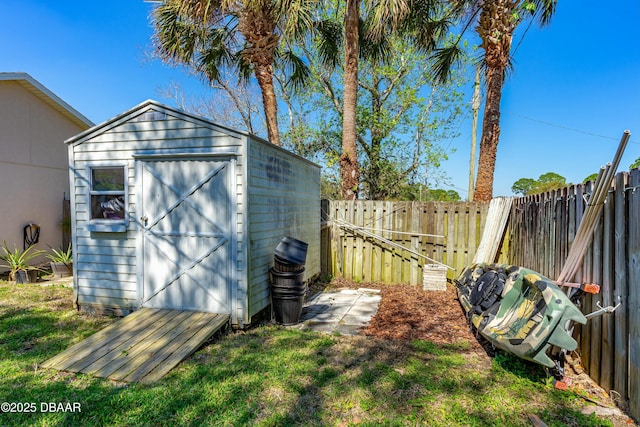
<point>440,209</point>
<point>414,270</point>
<point>596,323</point>
<point>358,244</point>
<point>609,345</point>
<point>351,243</point>
<point>352,254</point>
<point>450,234</point>
<point>472,229</point>
<point>404,262</point>
<point>377,255</point>
<point>631,294</point>
<point>581,206</point>
<point>606,292</point>
<point>387,274</point>
<point>619,286</point>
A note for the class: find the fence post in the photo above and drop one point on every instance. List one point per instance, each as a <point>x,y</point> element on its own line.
<point>632,297</point>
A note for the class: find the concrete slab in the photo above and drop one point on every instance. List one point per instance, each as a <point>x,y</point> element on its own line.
<point>345,312</point>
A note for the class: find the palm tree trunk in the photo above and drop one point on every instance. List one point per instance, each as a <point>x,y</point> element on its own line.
<point>349,174</point>
<point>495,28</point>
<point>264,75</point>
<point>258,26</point>
<point>490,136</point>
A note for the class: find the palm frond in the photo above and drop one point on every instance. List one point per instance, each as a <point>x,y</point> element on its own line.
<point>215,54</point>
<point>543,10</point>
<point>330,39</point>
<point>373,46</point>
<point>202,12</point>
<point>245,70</point>
<point>389,14</point>
<point>444,60</point>
<point>169,34</point>
<point>295,17</point>
<point>460,9</point>
<point>177,37</point>
<point>296,69</point>
<point>424,11</point>
<point>428,35</point>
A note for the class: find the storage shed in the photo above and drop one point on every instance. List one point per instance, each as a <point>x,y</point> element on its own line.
<point>170,210</point>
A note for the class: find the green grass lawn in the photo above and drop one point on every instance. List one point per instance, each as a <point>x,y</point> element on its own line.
<point>267,376</point>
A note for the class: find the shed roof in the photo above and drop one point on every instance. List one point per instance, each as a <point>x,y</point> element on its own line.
<point>145,106</point>
<point>50,98</point>
<point>152,105</point>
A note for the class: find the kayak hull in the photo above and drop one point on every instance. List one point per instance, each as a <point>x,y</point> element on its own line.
<point>518,310</point>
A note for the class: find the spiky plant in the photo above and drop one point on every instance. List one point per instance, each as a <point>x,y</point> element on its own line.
<point>18,260</point>
<point>62,256</point>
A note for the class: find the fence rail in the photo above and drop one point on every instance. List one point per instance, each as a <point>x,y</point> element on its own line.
<point>364,240</point>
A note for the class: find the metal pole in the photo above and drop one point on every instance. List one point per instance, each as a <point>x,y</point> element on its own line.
<point>592,213</point>
<point>345,224</point>
<point>475,106</point>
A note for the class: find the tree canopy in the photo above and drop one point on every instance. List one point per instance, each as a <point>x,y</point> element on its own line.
<point>210,37</point>
<point>403,119</point>
<point>545,182</point>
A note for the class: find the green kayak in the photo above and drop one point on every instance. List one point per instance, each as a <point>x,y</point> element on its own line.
<point>518,310</point>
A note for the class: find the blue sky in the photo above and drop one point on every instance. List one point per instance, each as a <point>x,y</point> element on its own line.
<point>575,87</point>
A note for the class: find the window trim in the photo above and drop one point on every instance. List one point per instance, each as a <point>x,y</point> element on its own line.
<point>107,225</point>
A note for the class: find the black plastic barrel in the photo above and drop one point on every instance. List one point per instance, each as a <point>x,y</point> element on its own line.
<point>287,309</point>
<point>291,251</point>
<point>284,265</point>
<point>287,295</point>
<point>290,279</point>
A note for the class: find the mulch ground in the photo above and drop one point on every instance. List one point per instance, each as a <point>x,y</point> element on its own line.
<point>408,312</point>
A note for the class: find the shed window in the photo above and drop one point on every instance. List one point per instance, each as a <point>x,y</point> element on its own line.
<point>108,193</point>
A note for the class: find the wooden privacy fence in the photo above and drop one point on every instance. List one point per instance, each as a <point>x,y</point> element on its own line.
<point>542,229</point>
<point>392,241</point>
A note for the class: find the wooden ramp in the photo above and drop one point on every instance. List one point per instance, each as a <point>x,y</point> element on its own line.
<point>141,347</point>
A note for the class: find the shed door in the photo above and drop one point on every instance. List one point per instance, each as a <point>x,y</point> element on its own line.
<point>186,234</point>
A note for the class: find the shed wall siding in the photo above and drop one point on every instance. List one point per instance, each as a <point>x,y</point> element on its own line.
<point>105,263</point>
<point>283,197</point>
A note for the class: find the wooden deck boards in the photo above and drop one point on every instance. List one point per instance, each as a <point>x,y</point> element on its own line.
<point>141,347</point>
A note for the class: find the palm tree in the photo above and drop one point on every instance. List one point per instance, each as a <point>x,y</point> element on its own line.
<point>367,38</point>
<point>496,21</point>
<point>349,172</point>
<point>210,34</point>
<point>416,19</point>
<point>331,41</point>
